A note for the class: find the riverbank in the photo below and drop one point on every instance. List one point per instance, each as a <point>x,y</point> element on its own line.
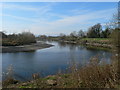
<point>25,48</point>
<point>89,42</point>
<point>93,75</point>
<point>92,42</point>
<point>97,42</point>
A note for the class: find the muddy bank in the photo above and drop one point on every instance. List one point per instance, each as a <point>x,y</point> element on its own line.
<point>25,48</point>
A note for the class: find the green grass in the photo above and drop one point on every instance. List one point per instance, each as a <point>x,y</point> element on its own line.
<point>96,38</point>
<point>49,78</point>
<point>22,87</point>
<point>65,75</point>
<point>98,48</point>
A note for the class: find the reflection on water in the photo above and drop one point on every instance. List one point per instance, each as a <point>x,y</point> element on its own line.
<point>50,60</point>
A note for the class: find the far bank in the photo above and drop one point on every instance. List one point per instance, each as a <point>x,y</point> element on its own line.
<point>25,48</point>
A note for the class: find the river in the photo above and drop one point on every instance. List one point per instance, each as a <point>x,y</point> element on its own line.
<point>49,61</point>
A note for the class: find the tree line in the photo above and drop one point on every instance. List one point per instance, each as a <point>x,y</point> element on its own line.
<point>17,39</point>
<point>94,31</point>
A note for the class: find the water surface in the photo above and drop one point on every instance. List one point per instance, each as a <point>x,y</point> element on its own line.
<point>49,60</point>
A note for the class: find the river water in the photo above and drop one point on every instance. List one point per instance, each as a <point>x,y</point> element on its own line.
<point>49,61</point>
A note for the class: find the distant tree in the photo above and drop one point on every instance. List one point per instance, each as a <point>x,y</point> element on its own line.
<point>62,36</point>
<point>94,31</point>
<point>26,38</point>
<point>73,34</point>
<point>106,33</point>
<point>91,33</point>
<point>43,37</point>
<point>18,39</point>
<point>81,34</point>
<point>3,35</point>
<point>12,36</point>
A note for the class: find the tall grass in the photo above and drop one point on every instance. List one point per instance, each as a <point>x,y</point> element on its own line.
<point>93,75</point>
<point>9,79</point>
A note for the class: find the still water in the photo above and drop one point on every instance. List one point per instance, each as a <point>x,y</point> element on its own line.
<point>49,61</point>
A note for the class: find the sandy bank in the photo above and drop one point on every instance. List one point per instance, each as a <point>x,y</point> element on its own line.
<point>25,48</point>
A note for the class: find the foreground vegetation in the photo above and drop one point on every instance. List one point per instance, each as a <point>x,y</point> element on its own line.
<point>93,75</point>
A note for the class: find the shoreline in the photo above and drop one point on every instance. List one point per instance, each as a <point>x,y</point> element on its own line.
<point>25,48</point>
<point>90,44</point>
<point>76,79</point>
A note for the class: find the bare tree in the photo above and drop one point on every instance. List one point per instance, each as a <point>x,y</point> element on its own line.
<point>94,31</point>
<point>73,34</point>
<point>115,21</point>
<point>81,34</point>
<point>62,36</point>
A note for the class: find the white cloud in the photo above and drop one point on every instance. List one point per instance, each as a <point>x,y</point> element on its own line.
<point>64,24</point>
<point>13,6</point>
<point>71,22</point>
<point>39,10</point>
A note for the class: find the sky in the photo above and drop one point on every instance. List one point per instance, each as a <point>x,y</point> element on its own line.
<point>53,18</point>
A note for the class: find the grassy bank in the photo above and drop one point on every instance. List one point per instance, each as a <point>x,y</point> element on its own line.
<point>99,40</point>
<point>104,43</point>
<point>96,42</point>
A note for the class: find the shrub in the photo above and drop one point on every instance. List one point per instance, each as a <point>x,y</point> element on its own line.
<point>19,39</point>
<point>95,75</point>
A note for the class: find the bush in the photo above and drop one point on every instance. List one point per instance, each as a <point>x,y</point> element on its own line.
<point>19,39</point>
<point>95,75</point>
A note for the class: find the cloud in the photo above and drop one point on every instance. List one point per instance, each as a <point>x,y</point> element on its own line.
<point>64,24</point>
<point>72,23</point>
<point>68,23</point>
<point>16,7</point>
<point>38,10</point>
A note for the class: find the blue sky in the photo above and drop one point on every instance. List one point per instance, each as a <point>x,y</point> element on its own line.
<point>52,18</point>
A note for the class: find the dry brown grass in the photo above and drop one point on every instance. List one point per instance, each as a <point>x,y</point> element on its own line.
<point>96,75</point>
<point>9,77</point>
